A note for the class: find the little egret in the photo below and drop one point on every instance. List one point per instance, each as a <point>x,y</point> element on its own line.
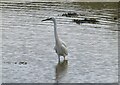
<point>60,46</point>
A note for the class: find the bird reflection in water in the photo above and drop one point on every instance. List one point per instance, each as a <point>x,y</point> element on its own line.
<point>61,70</point>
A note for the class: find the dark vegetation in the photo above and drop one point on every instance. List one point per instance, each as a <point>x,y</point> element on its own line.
<point>86,20</point>
<point>70,14</point>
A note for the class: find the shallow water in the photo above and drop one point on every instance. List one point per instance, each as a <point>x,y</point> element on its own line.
<point>92,48</point>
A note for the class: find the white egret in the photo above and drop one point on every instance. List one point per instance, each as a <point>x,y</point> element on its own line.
<point>60,46</point>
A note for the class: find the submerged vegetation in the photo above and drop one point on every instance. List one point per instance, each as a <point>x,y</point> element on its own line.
<point>70,14</point>
<point>86,20</point>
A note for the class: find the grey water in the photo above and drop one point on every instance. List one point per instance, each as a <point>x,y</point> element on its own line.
<point>28,54</point>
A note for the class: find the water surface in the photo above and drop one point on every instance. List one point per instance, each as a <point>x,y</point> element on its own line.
<point>93,48</point>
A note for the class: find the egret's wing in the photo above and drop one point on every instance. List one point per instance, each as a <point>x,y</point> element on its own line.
<point>64,47</point>
<point>63,43</point>
<point>66,51</point>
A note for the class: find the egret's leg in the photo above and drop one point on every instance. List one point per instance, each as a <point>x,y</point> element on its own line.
<point>64,58</point>
<point>58,58</point>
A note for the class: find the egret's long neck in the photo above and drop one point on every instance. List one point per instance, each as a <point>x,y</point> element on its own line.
<point>55,32</point>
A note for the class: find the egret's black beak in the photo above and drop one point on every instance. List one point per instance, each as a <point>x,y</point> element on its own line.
<point>46,19</point>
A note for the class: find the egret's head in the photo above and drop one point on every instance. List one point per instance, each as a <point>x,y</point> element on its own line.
<point>49,19</point>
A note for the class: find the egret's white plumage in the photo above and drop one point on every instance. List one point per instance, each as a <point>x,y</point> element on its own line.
<point>60,46</point>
